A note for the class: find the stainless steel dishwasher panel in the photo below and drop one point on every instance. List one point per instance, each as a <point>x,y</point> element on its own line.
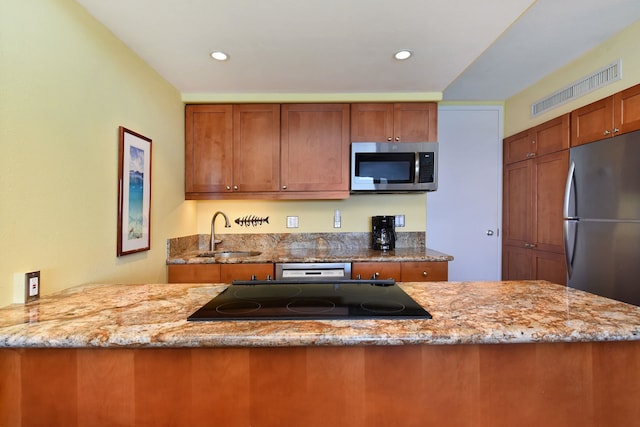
<point>309,272</point>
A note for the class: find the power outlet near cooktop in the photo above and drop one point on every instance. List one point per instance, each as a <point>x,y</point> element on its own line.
<point>32,286</point>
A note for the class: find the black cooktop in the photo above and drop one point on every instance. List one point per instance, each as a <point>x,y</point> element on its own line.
<point>290,300</point>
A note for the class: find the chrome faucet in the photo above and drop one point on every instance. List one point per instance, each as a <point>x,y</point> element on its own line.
<point>213,222</point>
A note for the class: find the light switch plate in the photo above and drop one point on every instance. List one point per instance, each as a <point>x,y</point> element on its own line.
<point>292,222</point>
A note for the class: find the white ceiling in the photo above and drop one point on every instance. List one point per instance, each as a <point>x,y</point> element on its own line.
<point>466,49</point>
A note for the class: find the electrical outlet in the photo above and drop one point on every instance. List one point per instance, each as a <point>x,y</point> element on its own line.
<point>292,222</point>
<point>399,221</point>
<point>32,286</point>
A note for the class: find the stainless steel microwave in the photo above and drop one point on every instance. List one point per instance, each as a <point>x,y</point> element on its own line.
<point>394,167</point>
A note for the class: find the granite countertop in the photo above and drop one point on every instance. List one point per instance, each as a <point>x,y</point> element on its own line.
<point>154,315</point>
<point>306,247</point>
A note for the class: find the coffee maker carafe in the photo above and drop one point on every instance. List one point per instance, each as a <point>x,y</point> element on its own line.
<point>383,232</point>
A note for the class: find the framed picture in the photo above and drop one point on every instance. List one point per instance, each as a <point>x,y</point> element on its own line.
<point>134,192</point>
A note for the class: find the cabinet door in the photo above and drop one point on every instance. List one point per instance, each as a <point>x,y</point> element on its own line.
<point>520,146</point>
<point>231,272</point>
<point>517,206</point>
<point>376,270</point>
<point>371,122</point>
<point>424,271</point>
<point>208,148</point>
<point>626,110</point>
<point>517,263</point>
<point>592,122</point>
<point>550,266</point>
<point>315,147</point>
<point>415,122</point>
<point>549,185</point>
<point>552,136</point>
<point>256,147</point>
<point>193,273</point>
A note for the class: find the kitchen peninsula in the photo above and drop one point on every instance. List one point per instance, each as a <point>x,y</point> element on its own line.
<point>494,354</point>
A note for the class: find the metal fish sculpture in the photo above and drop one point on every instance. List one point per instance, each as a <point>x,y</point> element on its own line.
<point>252,220</point>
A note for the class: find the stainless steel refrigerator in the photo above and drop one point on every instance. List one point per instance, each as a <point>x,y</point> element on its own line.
<point>602,218</point>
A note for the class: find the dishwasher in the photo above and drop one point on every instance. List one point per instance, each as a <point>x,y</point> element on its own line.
<point>311,272</point>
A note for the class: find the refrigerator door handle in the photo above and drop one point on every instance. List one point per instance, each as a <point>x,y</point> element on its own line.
<point>568,191</point>
<point>568,248</point>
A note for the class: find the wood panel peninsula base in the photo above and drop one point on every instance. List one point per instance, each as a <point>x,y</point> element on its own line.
<point>494,354</point>
<point>550,384</point>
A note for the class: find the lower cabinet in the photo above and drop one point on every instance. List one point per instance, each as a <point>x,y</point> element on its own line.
<point>417,271</point>
<point>531,264</point>
<point>193,273</point>
<point>420,271</point>
<point>218,273</point>
<point>231,272</point>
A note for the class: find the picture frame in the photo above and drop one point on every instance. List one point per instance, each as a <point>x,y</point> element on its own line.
<point>134,192</point>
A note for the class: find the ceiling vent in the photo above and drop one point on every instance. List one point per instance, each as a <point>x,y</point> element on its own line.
<point>593,81</point>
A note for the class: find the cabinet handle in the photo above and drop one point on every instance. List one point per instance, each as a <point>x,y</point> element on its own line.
<point>397,138</point>
<point>389,139</point>
<point>358,277</point>
<point>606,132</point>
<point>425,274</point>
<point>228,187</point>
<point>235,187</point>
<point>284,187</point>
<point>375,275</point>
<point>533,141</point>
<point>530,155</point>
<point>616,130</point>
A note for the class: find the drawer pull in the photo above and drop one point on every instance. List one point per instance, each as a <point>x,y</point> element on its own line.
<point>425,274</point>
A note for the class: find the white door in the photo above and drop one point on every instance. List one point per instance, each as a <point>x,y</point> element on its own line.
<point>464,214</point>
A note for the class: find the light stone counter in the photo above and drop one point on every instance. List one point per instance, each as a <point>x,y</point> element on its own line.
<point>154,315</point>
<point>303,247</point>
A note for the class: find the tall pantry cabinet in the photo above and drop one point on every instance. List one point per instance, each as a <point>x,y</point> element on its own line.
<point>536,163</point>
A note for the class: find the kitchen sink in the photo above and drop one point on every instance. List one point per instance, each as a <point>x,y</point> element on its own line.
<point>229,254</point>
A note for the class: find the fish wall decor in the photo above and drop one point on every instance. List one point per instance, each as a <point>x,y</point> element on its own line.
<point>251,220</point>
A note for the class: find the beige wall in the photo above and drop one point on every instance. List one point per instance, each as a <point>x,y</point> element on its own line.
<point>66,84</point>
<point>624,45</point>
<point>316,216</point>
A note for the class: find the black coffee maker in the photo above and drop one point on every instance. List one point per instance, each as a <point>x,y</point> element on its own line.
<point>383,232</point>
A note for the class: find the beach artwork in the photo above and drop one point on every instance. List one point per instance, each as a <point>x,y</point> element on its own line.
<point>134,192</point>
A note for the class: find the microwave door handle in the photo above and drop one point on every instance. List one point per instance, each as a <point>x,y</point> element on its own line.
<point>416,172</point>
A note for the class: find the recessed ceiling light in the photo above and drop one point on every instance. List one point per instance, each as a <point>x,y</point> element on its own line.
<point>401,55</point>
<point>219,55</point>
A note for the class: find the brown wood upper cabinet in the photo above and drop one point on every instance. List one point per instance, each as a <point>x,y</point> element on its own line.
<point>545,138</point>
<point>606,118</point>
<point>398,122</point>
<point>208,148</point>
<point>231,148</point>
<point>267,151</point>
<point>315,149</point>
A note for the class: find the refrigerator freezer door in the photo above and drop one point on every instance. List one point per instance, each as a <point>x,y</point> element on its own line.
<point>607,178</point>
<point>606,261</point>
